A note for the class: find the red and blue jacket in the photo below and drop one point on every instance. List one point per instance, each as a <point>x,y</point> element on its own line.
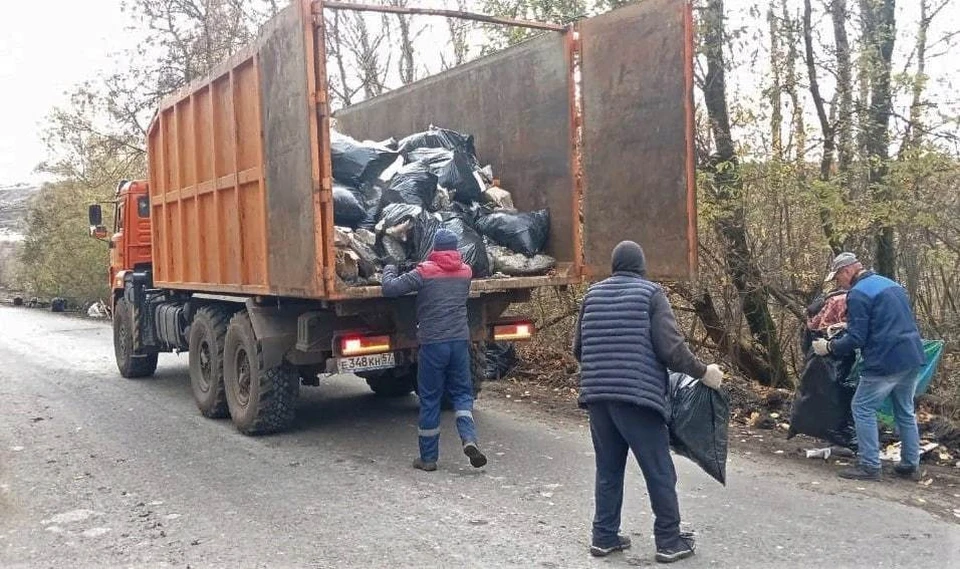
<point>442,284</point>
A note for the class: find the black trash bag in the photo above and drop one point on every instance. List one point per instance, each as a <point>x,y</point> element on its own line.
<point>455,171</point>
<point>470,244</point>
<point>470,212</point>
<point>699,417</point>
<point>348,210</point>
<point>524,233</point>
<point>414,184</point>
<point>58,305</point>
<point>821,405</point>
<point>357,162</point>
<point>395,231</point>
<point>369,194</point>
<point>436,137</point>
<point>424,231</point>
<point>396,213</point>
<point>501,359</point>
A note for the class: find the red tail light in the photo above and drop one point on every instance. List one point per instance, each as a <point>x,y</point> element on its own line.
<point>364,345</point>
<point>517,331</point>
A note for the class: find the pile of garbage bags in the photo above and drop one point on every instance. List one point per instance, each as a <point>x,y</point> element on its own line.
<point>391,197</point>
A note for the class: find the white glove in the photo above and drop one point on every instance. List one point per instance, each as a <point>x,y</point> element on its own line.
<point>821,347</point>
<point>713,376</point>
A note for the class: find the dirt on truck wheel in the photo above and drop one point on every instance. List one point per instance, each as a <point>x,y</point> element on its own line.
<point>261,401</point>
<point>130,364</point>
<point>208,334</point>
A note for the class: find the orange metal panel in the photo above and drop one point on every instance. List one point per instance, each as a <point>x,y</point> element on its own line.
<point>319,143</point>
<point>235,236</point>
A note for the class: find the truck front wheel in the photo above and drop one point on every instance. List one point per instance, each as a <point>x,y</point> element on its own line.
<point>261,401</point>
<point>207,334</point>
<point>130,364</point>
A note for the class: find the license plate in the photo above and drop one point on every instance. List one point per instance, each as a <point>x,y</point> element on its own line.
<point>367,363</point>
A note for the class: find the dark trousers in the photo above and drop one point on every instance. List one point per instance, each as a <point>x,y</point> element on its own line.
<point>617,427</point>
<point>444,367</point>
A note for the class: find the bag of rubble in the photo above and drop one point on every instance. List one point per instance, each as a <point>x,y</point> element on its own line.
<point>414,185</point>
<point>357,162</point>
<point>524,233</point>
<point>436,137</point>
<point>497,198</point>
<point>455,171</point>
<point>518,265</point>
<point>699,417</point>
<point>395,239</point>
<point>356,261</point>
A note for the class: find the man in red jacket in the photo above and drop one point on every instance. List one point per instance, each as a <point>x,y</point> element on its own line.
<point>442,284</point>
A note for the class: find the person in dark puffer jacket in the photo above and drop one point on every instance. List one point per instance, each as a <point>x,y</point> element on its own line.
<point>442,284</point>
<point>626,339</point>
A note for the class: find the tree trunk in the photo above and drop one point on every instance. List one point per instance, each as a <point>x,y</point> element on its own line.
<point>838,12</point>
<point>776,105</point>
<point>826,127</point>
<point>879,37</point>
<point>728,192</point>
<point>797,122</point>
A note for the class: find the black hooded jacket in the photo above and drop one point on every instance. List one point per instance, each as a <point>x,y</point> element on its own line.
<point>627,338</point>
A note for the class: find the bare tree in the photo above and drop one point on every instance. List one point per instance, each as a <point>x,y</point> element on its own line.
<point>727,191</point>
<point>879,35</point>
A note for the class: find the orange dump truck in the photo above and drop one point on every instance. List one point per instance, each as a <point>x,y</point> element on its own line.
<point>227,249</point>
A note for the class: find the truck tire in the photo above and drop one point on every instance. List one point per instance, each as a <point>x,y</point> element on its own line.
<point>261,401</point>
<point>393,383</point>
<point>130,364</point>
<point>208,331</point>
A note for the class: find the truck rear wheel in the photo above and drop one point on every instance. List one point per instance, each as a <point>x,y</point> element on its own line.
<point>208,333</point>
<point>261,401</point>
<point>130,364</point>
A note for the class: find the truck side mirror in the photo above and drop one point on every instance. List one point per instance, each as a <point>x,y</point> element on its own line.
<point>96,215</point>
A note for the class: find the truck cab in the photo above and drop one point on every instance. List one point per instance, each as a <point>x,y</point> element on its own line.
<point>130,242</point>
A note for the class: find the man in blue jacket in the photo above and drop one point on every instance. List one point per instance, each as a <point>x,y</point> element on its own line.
<point>442,284</point>
<point>626,339</point>
<point>881,325</point>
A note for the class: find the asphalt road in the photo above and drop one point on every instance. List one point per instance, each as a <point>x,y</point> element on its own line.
<point>99,471</point>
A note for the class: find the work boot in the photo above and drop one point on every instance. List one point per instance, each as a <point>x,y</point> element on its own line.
<point>907,471</point>
<point>421,464</point>
<point>623,542</point>
<point>476,456</point>
<point>860,473</point>
<point>686,546</point>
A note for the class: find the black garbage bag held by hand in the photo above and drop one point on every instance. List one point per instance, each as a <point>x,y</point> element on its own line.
<point>821,405</point>
<point>699,417</point>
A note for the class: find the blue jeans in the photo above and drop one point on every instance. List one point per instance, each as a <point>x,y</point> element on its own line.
<point>617,427</point>
<point>444,367</point>
<point>871,393</point>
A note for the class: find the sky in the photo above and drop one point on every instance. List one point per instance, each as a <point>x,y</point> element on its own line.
<point>46,48</point>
